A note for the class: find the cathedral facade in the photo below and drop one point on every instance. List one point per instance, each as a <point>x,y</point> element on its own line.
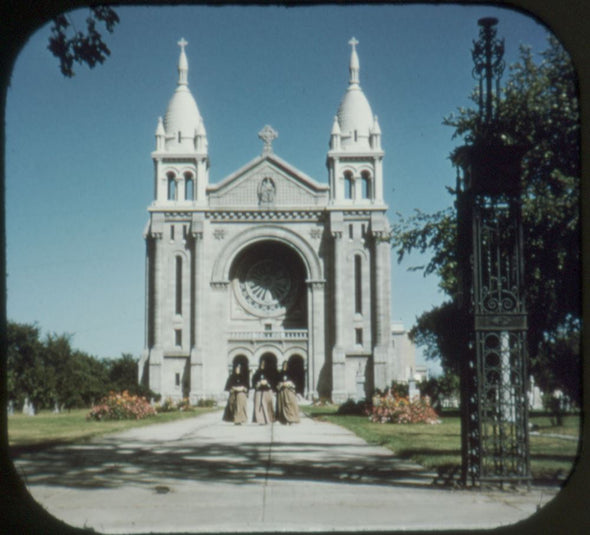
<point>269,263</point>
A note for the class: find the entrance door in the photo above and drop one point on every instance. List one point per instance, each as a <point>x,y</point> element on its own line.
<point>297,370</point>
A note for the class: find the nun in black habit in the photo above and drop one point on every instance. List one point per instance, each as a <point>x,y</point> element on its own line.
<point>237,385</point>
<point>287,407</point>
<point>263,382</point>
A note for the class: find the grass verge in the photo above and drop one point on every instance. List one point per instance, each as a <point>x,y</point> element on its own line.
<point>48,428</point>
<point>438,447</point>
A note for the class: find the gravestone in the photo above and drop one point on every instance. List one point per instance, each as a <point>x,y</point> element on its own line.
<point>413,392</point>
<point>28,407</point>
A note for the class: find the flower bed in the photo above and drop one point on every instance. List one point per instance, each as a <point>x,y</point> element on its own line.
<point>401,410</point>
<point>121,406</point>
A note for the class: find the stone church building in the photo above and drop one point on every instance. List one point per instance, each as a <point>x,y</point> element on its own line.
<point>269,263</point>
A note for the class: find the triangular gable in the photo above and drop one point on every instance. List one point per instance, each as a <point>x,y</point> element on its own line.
<point>268,182</point>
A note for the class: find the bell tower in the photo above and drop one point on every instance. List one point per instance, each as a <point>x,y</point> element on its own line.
<point>181,159</point>
<point>360,262</point>
<point>171,358</point>
<point>355,158</point>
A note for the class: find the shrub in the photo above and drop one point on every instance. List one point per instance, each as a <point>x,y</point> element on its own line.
<point>399,389</point>
<point>169,405</point>
<point>206,403</point>
<point>121,406</point>
<point>184,405</point>
<point>353,407</point>
<point>401,410</point>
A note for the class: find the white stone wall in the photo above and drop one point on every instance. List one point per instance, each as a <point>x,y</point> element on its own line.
<point>210,240</point>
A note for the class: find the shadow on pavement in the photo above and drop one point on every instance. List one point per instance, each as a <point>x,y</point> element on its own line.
<point>111,463</point>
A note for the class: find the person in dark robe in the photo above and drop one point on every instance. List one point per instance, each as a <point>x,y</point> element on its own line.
<point>287,408</point>
<point>237,385</point>
<point>263,384</point>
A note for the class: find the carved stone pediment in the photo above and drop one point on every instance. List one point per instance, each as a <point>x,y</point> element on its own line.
<point>268,183</point>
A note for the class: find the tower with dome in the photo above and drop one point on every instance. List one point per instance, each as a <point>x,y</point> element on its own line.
<point>268,263</point>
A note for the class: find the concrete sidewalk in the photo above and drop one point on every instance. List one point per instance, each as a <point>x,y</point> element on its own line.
<point>205,475</point>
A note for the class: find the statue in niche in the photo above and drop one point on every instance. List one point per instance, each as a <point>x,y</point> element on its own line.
<point>266,191</point>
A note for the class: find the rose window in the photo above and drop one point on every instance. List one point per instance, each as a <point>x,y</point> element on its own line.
<point>267,285</point>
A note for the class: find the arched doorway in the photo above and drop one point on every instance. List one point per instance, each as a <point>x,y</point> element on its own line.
<point>296,365</point>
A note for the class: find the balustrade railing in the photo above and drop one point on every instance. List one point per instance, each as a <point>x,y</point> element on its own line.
<point>255,336</point>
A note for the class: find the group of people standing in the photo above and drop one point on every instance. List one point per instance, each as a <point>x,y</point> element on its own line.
<point>268,384</point>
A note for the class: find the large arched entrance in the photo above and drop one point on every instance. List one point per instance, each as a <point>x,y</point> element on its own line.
<point>275,301</point>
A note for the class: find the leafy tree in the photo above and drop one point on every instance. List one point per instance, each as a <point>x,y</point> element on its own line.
<point>439,388</point>
<point>70,45</point>
<point>123,373</point>
<point>84,381</point>
<point>539,110</point>
<point>50,372</point>
<point>24,369</point>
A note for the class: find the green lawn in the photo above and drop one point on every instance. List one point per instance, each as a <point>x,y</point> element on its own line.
<point>72,426</point>
<point>433,446</point>
<point>438,446</point>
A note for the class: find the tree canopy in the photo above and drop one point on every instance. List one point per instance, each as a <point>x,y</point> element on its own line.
<point>539,110</point>
<point>69,44</point>
<point>50,372</point>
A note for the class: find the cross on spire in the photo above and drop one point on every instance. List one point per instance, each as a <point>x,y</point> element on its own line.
<point>268,135</point>
<point>354,63</point>
<point>182,64</point>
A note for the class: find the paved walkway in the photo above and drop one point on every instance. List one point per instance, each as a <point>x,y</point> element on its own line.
<point>204,475</point>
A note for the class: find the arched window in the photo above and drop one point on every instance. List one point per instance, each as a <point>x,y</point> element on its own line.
<point>178,299</point>
<point>358,288</point>
<point>189,187</point>
<point>366,178</point>
<point>348,185</point>
<point>171,187</point>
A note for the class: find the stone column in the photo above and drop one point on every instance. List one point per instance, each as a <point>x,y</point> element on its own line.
<point>196,354</point>
<point>147,311</point>
<point>316,336</point>
<point>338,355</point>
<point>382,342</point>
<point>156,352</point>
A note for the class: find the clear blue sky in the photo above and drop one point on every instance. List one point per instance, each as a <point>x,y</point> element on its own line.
<point>79,173</point>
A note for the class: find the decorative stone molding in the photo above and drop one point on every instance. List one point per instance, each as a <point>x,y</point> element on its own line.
<point>219,285</point>
<point>219,233</point>
<point>265,215</point>
<point>316,233</point>
<point>316,284</point>
<point>197,234</point>
<point>336,234</point>
<point>178,215</point>
<point>349,214</point>
<point>259,233</point>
